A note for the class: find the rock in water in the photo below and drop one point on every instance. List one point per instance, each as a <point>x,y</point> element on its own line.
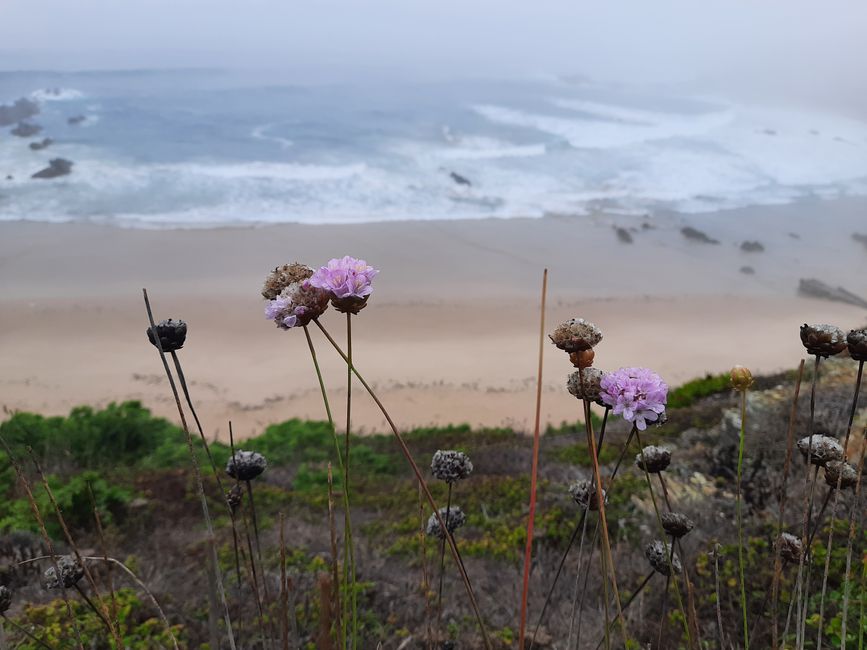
<point>26,130</point>
<point>76,119</point>
<point>817,289</point>
<point>623,235</point>
<point>697,235</point>
<point>56,167</point>
<point>460,180</point>
<point>748,270</point>
<point>20,110</point>
<point>38,146</point>
<point>752,247</point>
<point>860,237</point>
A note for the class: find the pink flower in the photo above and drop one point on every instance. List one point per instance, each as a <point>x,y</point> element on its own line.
<point>638,394</point>
<point>345,278</point>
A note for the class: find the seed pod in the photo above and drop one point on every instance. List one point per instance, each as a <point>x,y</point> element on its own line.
<point>455,519</point>
<point>590,387</point>
<point>823,340</point>
<point>246,465</point>
<point>821,449</point>
<point>839,470</point>
<point>234,497</point>
<point>70,573</point>
<point>5,598</point>
<point>282,276</point>
<point>172,334</point>
<point>582,359</point>
<point>790,548</point>
<point>584,494</point>
<point>857,343</point>
<point>676,524</point>
<point>450,466</point>
<point>576,335</point>
<point>741,378</point>
<point>653,459</point>
<point>658,553</point>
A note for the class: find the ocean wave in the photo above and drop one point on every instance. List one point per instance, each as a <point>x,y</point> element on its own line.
<point>56,94</point>
<point>261,133</point>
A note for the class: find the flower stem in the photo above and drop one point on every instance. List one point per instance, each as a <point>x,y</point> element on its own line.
<point>443,563</point>
<point>739,506</point>
<point>349,552</point>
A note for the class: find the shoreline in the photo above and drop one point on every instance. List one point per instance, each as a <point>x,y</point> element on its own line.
<point>451,332</point>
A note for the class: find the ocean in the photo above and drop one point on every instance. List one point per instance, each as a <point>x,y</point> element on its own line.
<point>199,148</point>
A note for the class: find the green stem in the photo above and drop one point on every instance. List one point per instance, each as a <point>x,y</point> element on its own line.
<point>350,550</point>
<point>740,519</point>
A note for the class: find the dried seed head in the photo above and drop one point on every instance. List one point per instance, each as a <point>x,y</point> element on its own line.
<point>282,276</point>
<point>172,334</point>
<point>821,449</point>
<point>857,343</point>
<point>234,497</point>
<point>575,335</point>
<point>584,494</point>
<point>741,378</point>
<point>451,466</point>
<point>790,548</point>
<point>586,384</point>
<point>5,598</point>
<point>823,340</point>
<point>658,554</point>
<point>653,459</point>
<point>842,472</point>
<point>246,465</point>
<point>676,524</point>
<point>455,519</point>
<point>582,359</point>
<point>70,573</point>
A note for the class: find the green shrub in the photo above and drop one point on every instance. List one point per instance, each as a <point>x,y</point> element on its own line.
<point>688,393</point>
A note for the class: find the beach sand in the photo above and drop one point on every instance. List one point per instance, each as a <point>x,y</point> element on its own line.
<point>451,332</point>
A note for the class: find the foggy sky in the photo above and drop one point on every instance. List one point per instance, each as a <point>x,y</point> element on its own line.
<point>798,46</point>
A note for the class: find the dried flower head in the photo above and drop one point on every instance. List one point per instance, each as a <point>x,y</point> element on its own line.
<point>348,282</point>
<point>297,305</point>
<point>246,465</point>
<point>638,394</point>
<point>451,466</point>
<point>576,334</point>
<point>453,518</point>
<point>790,548</point>
<point>70,573</point>
<point>172,334</point>
<point>5,598</point>
<point>823,340</point>
<point>676,524</point>
<point>659,553</point>
<point>856,340</point>
<point>586,384</point>
<point>741,378</point>
<point>234,497</point>
<point>653,459</point>
<point>821,449</point>
<point>282,276</point>
<point>584,494</point>
<point>842,472</point>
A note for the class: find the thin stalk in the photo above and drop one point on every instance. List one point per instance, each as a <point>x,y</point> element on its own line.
<point>254,582</point>
<point>719,621</point>
<point>96,610</point>
<point>284,594</point>
<point>827,561</point>
<point>849,545</point>
<point>631,599</point>
<point>235,544</point>
<point>443,564</point>
<point>256,537</point>
<point>425,580</point>
<point>104,548</point>
<point>577,579</point>
<point>26,632</point>
<point>349,553</point>
<point>790,443</point>
<point>534,470</point>
<point>418,475</point>
<point>196,470</point>
<point>593,539</point>
<point>340,630</point>
<point>739,506</point>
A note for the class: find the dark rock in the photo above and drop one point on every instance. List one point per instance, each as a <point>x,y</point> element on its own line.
<point>752,247</point>
<point>794,235</point>
<point>460,180</point>
<point>56,167</point>
<point>697,235</point>
<point>747,270</point>
<point>769,132</point>
<point>38,146</point>
<point>860,237</point>
<point>76,119</point>
<point>817,289</point>
<point>26,129</point>
<point>623,235</point>
<point>9,177</point>
<point>20,110</point>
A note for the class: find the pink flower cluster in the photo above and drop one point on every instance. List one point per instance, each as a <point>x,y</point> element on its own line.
<point>638,394</point>
<point>348,277</point>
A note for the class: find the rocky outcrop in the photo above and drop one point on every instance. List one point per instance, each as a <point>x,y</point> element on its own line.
<point>623,235</point>
<point>460,180</point>
<point>817,289</point>
<point>748,270</point>
<point>56,167</point>
<point>76,119</point>
<point>752,247</point>
<point>22,109</point>
<point>26,129</point>
<point>696,235</point>
<point>42,144</point>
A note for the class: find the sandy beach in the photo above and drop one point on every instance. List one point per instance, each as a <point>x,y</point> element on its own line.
<point>450,334</point>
